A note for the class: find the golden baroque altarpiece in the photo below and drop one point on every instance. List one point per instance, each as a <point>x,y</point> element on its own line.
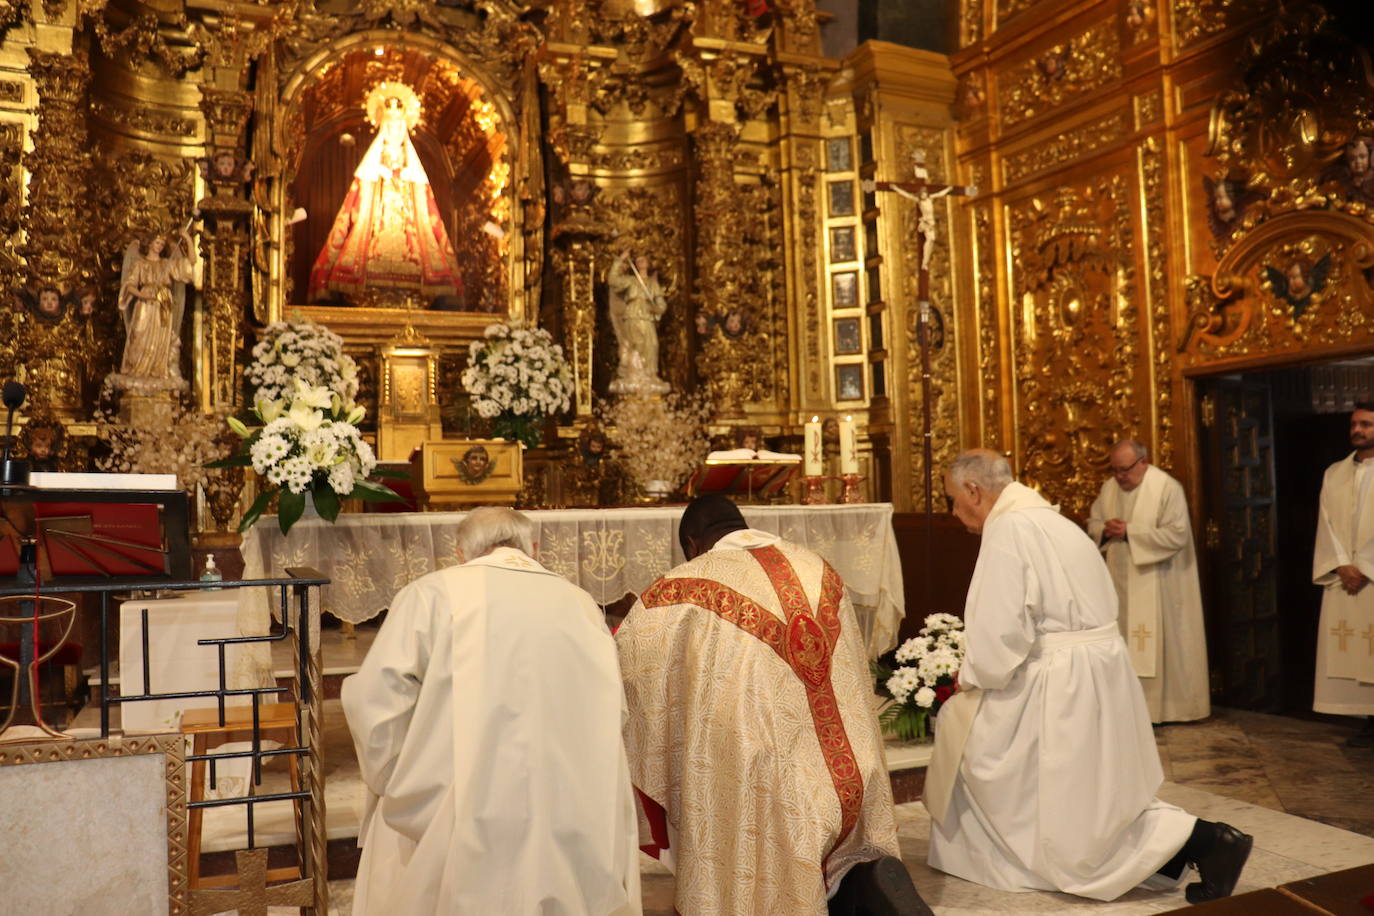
<point>554,138</point>
<point>1126,233</point>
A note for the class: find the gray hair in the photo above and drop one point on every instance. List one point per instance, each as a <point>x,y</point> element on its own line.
<point>1141,452</point>
<point>490,527</point>
<point>989,470</point>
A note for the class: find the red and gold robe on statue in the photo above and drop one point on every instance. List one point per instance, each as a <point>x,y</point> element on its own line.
<point>753,743</point>
<point>388,233</point>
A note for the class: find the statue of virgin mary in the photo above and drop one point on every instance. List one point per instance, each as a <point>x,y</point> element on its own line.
<point>388,233</point>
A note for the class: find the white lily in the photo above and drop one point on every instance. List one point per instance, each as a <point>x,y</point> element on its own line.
<point>268,409</point>
<point>305,417</point>
<point>355,416</point>
<point>311,396</point>
<point>237,426</point>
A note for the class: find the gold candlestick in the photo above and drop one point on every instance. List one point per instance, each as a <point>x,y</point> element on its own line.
<point>813,492</point>
<point>851,492</point>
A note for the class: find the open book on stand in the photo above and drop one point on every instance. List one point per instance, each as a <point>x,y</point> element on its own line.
<point>745,472</point>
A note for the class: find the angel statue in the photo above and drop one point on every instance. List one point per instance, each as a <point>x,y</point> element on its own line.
<point>1299,282</point>
<point>152,302</point>
<point>636,305</point>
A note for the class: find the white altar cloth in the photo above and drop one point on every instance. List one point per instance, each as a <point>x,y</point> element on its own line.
<point>609,552</point>
<point>177,662</point>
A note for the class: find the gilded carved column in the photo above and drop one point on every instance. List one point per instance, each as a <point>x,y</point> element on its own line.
<point>56,248</point>
<point>572,81</point>
<point>717,255</point>
<point>224,241</point>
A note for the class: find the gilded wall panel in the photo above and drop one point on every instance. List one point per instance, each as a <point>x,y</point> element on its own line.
<point>988,321</point>
<point>1067,146</point>
<point>1156,286</point>
<point>1066,71</point>
<point>1075,331</point>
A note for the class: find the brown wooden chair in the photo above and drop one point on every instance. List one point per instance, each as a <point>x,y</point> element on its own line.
<point>276,721</point>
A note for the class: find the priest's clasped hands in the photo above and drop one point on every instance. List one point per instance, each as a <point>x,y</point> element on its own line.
<point>1352,580</point>
<point>1114,528</point>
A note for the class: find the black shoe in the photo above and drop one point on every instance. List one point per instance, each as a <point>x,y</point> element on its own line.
<point>1220,868</point>
<point>881,887</point>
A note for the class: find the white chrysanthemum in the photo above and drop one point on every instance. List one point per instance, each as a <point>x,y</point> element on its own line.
<point>941,622</point>
<point>913,649</point>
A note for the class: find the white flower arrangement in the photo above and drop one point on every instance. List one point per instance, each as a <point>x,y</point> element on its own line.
<point>920,676</point>
<point>308,443</point>
<point>305,351</point>
<point>661,439</point>
<point>517,377</point>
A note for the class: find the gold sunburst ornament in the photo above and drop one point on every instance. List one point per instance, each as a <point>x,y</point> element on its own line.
<point>390,94</point>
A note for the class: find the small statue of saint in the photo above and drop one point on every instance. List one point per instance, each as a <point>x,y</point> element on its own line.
<point>636,305</point>
<point>152,303</point>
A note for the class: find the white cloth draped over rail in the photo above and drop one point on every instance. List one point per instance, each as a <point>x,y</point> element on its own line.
<point>609,552</point>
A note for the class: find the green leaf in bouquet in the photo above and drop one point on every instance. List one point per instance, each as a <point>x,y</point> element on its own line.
<point>290,509</point>
<point>326,502</point>
<point>256,510</point>
<point>386,473</point>
<point>374,492</point>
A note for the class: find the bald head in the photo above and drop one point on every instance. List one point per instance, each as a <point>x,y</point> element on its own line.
<point>974,481</point>
<point>706,520</point>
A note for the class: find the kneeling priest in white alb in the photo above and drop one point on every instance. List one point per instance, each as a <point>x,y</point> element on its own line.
<point>1045,767</point>
<point>487,721</point>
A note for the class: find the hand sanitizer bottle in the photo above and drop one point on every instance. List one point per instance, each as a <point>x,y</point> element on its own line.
<point>211,572</point>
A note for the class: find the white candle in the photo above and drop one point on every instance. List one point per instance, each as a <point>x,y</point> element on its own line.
<point>849,447</point>
<point>814,452</point>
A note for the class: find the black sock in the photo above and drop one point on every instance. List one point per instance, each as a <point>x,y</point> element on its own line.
<point>1199,844</point>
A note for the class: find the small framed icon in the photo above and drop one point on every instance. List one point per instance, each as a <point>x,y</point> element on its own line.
<point>849,382</point>
<point>842,246</point>
<point>841,198</point>
<point>839,155</point>
<point>844,289</point>
<point>848,340</point>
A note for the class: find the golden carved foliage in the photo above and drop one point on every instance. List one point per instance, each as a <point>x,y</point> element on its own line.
<point>1297,239</point>
<point>1087,61</point>
<point>1075,334</point>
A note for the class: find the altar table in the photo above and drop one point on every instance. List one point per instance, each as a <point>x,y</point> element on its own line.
<point>609,552</point>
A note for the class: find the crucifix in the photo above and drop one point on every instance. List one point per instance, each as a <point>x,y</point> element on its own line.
<point>923,192</point>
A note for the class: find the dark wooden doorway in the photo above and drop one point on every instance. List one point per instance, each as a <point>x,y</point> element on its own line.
<point>1266,439</point>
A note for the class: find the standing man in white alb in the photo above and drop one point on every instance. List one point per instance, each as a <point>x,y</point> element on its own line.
<point>1343,564</point>
<point>1140,523</point>
<point>486,718</point>
<point>1045,768</point>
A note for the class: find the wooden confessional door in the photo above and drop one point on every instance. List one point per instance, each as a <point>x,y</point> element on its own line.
<point>1238,538</point>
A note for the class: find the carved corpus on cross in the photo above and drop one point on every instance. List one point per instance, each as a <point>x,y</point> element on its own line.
<point>923,192</point>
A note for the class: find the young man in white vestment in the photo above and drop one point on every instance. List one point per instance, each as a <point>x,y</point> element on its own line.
<point>1045,767</point>
<point>487,719</point>
<point>1140,522</point>
<point>752,736</point>
<point>1342,565</point>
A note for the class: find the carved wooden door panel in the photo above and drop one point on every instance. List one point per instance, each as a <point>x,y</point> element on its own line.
<point>1238,537</point>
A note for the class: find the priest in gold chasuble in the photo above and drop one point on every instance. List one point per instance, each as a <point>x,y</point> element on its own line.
<point>753,743</point>
<point>388,233</point>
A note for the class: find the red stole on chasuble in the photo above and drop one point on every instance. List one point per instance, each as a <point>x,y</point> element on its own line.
<point>805,641</point>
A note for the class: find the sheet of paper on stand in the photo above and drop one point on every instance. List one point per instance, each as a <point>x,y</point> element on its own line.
<point>54,480</point>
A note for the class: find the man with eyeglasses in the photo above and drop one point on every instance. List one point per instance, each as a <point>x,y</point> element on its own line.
<point>1140,523</point>
<point>1343,564</point>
